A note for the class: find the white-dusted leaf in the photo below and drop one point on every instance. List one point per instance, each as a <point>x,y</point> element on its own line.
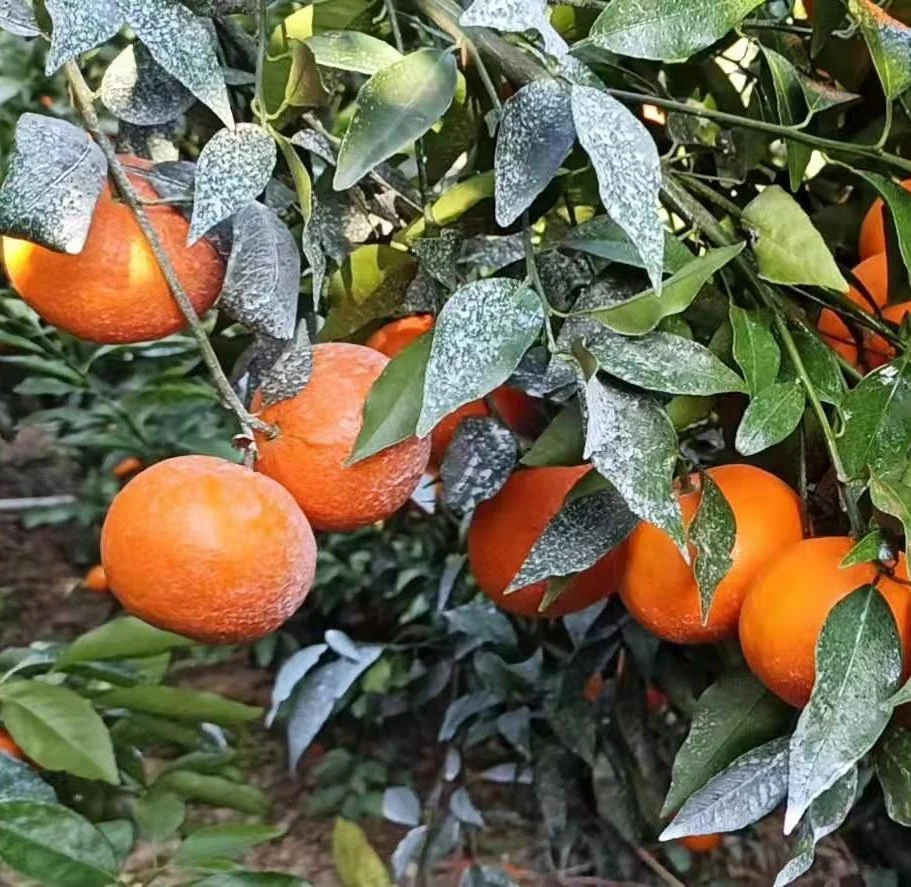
<point>632,442</point>
<point>858,667</point>
<point>395,107</point>
<point>479,339</point>
<point>18,18</point>
<point>135,88</point>
<point>535,136</point>
<point>463,808</point>
<point>825,815</point>
<point>660,361</point>
<point>340,643</point>
<point>477,463</point>
<point>463,708</point>
<point>402,805</point>
<point>629,171</point>
<point>184,46</point>
<point>788,248</point>
<point>233,169</point>
<point>352,51</point>
<point>262,279</point>
<point>292,672</point>
<point>317,696</point>
<point>54,178</point>
<point>893,770</point>
<point>482,621</point>
<point>290,373</point>
<point>751,787</point>
<point>516,16</point>
<point>889,41</point>
<point>79,25</point>
<point>666,30</point>
<point>713,533</point>
<point>585,529</point>
<point>773,414</point>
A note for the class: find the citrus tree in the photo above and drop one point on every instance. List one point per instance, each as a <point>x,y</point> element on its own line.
<point>598,309</point>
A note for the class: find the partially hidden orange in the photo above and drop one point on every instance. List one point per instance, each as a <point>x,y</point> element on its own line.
<point>659,588</point>
<point>317,430</point>
<point>873,228</point>
<point>96,580</point>
<point>113,292</point>
<point>208,549</point>
<point>787,606</point>
<point>504,529</point>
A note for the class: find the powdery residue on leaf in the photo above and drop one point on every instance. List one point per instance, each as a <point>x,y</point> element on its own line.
<point>478,462</point>
<point>515,15</point>
<point>78,27</point>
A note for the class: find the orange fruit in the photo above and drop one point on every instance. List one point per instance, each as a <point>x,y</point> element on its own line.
<point>316,434</point>
<point>873,228</point>
<point>701,843</point>
<point>594,687</point>
<point>873,273</point>
<point>504,529</point>
<point>113,292</point>
<point>96,580</point>
<point>208,549</point>
<point>9,747</point>
<point>655,699</point>
<point>519,411</point>
<point>126,467</point>
<point>787,605</point>
<point>659,588</point>
<point>877,349</point>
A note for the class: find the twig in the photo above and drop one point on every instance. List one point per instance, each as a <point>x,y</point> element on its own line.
<point>27,504</point>
<point>657,868</point>
<point>532,269</point>
<point>85,101</point>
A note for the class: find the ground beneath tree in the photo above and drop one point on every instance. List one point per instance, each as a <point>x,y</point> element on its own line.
<point>40,599</point>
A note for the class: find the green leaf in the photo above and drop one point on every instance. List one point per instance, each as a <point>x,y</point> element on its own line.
<point>772,415</point>
<point>226,841</point>
<point>252,879</point>
<point>750,788</point>
<point>213,790</point>
<point>120,835</point>
<point>790,101</point>
<point>303,88</point>
<point>643,312</point>
<point>159,814</point>
<point>58,729</point>
<point>822,96</point>
<point>755,349</point>
<point>121,638</point>
<point>873,547</point>
<point>626,162</point>
<point>356,861</point>
<point>664,362</point>
<point>858,666</point>
<point>820,363</point>
<point>889,42</point>
<point>787,246</point>
<point>604,238</point>
<point>733,716</point>
<point>877,420</point>
<point>893,769</point>
<point>352,51</point>
<point>395,107</point>
<point>632,442</point>
<point>891,493</point>
<point>20,782</point>
<point>825,815</point>
<point>898,202</point>
<point>371,284</point>
<point>478,340</point>
<point>54,846</point>
<point>395,400</point>
<point>535,136</point>
<point>561,442</point>
<point>665,30</point>
<point>712,533</point>
<point>181,703</point>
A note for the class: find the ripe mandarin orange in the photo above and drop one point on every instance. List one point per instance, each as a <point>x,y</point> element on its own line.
<point>519,411</point>
<point>658,586</point>
<point>8,746</point>
<point>701,843</point>
<point>316,433</point>
<point>877,349</point>
<point>787,605</point>
<point>113,292</point>
<point>873,273</point>
<point>873,228</point>
<point>504,529</point>
<point>208,549</point>
<point>96,580</point>
<point>126,467</point>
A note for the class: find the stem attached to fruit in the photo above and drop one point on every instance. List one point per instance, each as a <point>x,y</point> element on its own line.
<point>85,101</point>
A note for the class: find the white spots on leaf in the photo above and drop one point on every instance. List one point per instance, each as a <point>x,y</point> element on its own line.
<point>78,27</point>
<point>515,15</point>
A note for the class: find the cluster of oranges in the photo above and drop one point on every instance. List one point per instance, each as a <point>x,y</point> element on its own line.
<point>217,552</point>
<point>866,350</point>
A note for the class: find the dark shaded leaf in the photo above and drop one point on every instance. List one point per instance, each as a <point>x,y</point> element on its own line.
<point>755,349</point>
<point>893,769</point>
<point>889,41</point>
<point>791,104</point>
<point>772,415</point>
<point>293,670</point>
<point>477,463</point>
<point>712,533</point>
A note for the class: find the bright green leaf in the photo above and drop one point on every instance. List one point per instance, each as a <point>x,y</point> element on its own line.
<point>181,703</point>
<point>225,841</point>
<point>773,414</point>
<point>891,493</point>
<point>352,51</point>
<point>128,637</point>
<point>755,349</point>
